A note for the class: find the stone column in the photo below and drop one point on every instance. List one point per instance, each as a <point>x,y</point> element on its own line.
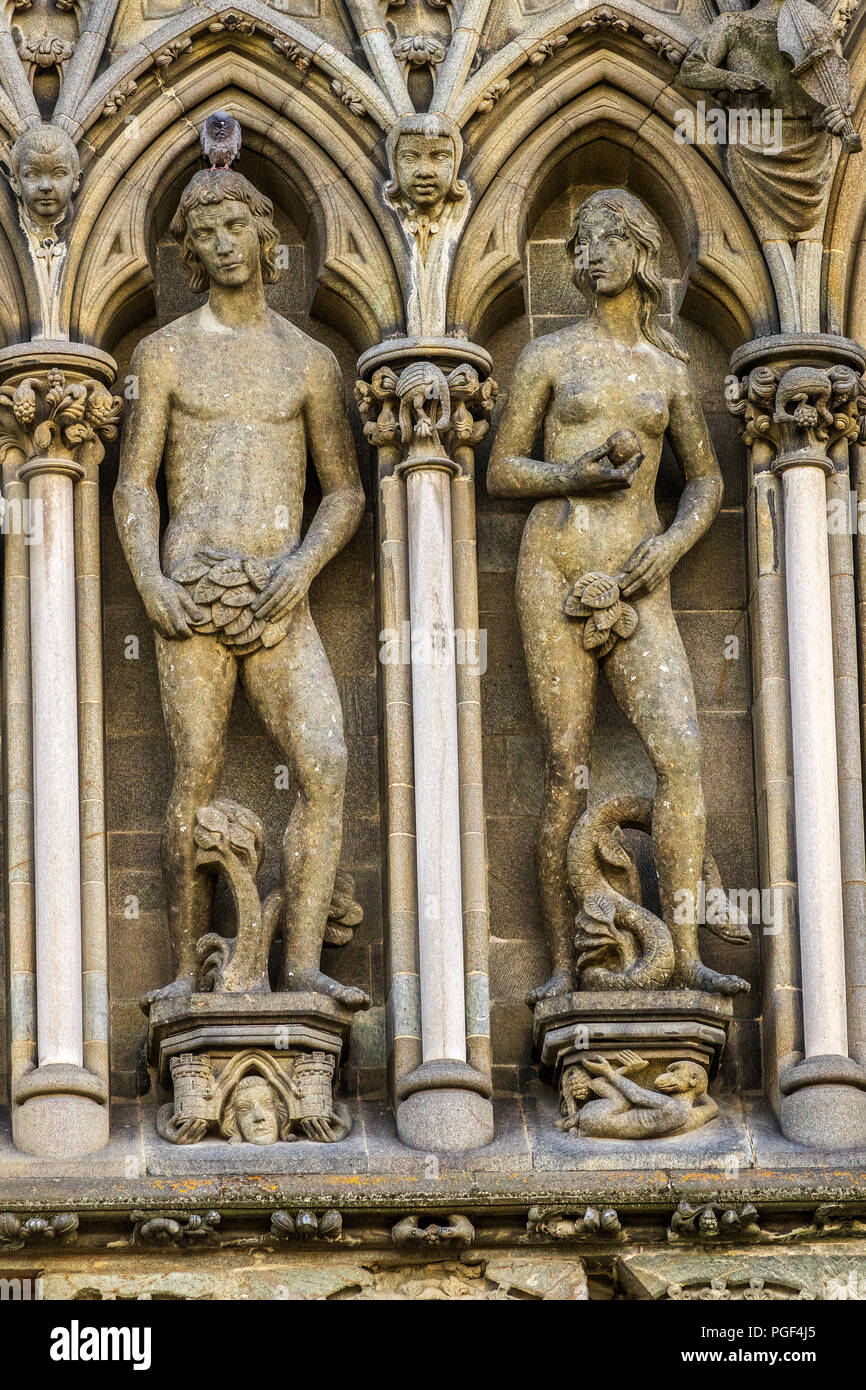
<point>857,959</point>
<point>56,412</point>
<point>443,1100</point>
<point>841,518</point>
<point>781,1008</point>
<point>799,396</point>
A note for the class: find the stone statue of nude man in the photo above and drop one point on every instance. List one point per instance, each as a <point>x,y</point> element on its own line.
<point>230,400</point>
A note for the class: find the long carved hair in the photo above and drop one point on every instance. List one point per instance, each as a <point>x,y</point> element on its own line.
<point>229,1125</point>
<point>211,186</point>
<point>644,232</point>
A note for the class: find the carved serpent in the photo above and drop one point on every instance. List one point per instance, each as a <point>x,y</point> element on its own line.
<point>612,920</point>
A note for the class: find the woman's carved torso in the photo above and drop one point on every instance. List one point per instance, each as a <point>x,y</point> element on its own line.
<point>598,387</point>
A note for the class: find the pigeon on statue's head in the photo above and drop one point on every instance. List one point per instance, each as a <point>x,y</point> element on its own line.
<point>220,140</point>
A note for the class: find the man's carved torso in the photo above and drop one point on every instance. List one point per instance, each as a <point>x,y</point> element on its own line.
<point>236,450</point>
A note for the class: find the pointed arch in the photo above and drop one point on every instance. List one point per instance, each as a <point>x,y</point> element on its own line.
<point>108,266</point>
<point>616,117</point>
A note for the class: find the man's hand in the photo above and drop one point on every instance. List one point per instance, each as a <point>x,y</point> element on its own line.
<point>648,566</point>
<point>171,609</point>
<point>289,583</point>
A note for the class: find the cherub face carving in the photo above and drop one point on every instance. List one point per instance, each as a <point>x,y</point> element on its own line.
<point>424,154</point>
<point>44,174</point>
<point>425,169</point>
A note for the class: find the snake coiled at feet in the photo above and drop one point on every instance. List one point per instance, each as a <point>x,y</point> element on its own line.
<point>612,919</point>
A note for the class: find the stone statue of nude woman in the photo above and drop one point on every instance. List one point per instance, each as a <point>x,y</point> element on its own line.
<point>605,391</point>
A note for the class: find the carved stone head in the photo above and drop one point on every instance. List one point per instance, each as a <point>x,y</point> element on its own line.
<point>44,174</point>
<point>256,1111</point>
<point>226,230</point>
<point>424,154</point>
<point>615,242</point>
<point>683,1078</point>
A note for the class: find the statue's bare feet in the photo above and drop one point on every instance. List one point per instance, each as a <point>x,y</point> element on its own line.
<point>319,983</point>
<point>180,988</point>
<point>559,983</point>
<point>695,975</point>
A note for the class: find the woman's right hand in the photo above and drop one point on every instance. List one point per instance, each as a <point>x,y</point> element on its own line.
<point>595,472</point>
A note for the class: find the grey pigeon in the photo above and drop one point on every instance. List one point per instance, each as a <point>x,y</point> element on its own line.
<point>220,140</point>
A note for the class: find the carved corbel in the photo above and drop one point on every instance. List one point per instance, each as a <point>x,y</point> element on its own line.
<point>554,1225</point>
<point>44,174</point>
<point>256,1097</point>
<point>472,402</point>
<point>419,51</point>
<point>379,394</point>
<point>425,409</point>
<point>306,1225</point>
<point>714,1221</point>
<point>430,202</point>
<point>18,1231</point>
<point>177,1228</point>
<point>42,54</point>
<point>454,1233</point>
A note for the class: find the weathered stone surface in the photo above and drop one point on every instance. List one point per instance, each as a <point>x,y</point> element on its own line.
<point>594,541</point>
<point>391,226</point>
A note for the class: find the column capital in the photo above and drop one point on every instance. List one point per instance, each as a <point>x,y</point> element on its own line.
<point>433,395</point>
<point>55,405</point>
<point>798,395</point>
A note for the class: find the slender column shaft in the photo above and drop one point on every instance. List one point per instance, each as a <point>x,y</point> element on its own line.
<point>843,599</point>
<point>15,80</point>
<point>84,62</point>
<point>782,1026</point>
<point>376,45</point>
<point>18,751</point>
<point>813,722</point>
<point>55,762</point>
<point>94,883</point>
<point>434,702</point>
<point>473,839</point>
<point>464,42</point>
<point>404,1003</point>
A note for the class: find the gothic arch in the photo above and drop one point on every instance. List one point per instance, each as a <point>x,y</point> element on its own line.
<point>109,269</point>
<point>619,134</point>
<point>244,24</point>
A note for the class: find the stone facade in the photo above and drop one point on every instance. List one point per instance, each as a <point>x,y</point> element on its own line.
<point>481,387</point>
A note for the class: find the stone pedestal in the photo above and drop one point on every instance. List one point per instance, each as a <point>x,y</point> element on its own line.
<point>283,1050</point>
<point>663,1026</point>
